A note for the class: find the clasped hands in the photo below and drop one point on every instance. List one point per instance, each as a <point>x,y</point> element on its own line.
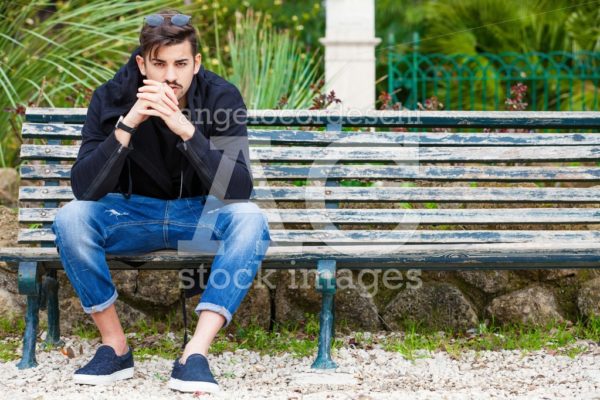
<point>159,100</point>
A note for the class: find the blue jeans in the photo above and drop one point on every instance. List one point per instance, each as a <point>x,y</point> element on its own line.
<point>236,233</point>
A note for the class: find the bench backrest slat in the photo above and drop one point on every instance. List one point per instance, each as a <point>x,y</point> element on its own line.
<point>429,119</point>
<point>364,154</point>
<point>378,194</point>
<point>379,172</point>
<point>401,216</point>
<point>300,137</point>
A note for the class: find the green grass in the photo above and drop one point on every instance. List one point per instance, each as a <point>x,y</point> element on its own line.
<point>86,332</point>
<point>8,349</point>
<point>163,338</point>
<point>11,326</point>
<point>299,339</point>
<point>11,330</point>
<point>559,338</point>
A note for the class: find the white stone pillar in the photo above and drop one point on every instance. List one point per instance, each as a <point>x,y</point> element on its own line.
<point>350,52</point>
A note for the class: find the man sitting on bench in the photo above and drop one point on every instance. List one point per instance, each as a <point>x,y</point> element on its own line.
<point>163,164</point>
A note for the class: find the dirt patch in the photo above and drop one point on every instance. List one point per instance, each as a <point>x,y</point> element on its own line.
<point>9,227</point>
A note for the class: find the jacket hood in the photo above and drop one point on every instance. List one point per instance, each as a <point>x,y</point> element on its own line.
<point>118,95</point>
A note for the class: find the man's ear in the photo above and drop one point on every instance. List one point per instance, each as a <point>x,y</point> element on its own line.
<point>141,65</point>
<point>197,63</point>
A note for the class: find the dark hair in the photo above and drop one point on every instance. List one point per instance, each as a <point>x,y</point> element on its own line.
<point>166,34</point>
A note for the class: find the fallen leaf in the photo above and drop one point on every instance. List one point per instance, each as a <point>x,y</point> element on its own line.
<point>68,351</point>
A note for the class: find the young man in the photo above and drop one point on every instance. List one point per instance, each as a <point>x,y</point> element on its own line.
<point>163,162</point>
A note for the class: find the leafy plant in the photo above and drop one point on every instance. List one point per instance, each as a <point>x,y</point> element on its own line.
<point>54,54</point>
<point>268,65</point>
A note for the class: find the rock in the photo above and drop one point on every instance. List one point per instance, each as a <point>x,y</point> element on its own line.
<point>126,282</point>
<point>9,186</point>
<point>157,287</point>
<point>488,281</point>
<point>556,274</point>
<point>8,279</point>
<point>73,316</point>
<point>535,305</point>
<point>11,305</point>
<point>434,304</point>
<point>145,288</point>
<point>296,295</point>
<point>255,309</point>
<point>588,298</point>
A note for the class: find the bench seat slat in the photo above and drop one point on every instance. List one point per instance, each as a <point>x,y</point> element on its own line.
<point>384,194</point>
<point>468,256</point>
<point>380,172</point>
<point>447,216</point>
<point>294,137</point>
<point>295,236</point>
<point>365,154</point>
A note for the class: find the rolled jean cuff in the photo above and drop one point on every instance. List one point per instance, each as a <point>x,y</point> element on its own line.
<point>216,308</point>
<point>101,307</point>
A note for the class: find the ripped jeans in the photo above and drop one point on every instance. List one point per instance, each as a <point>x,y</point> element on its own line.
<point>236,233</point>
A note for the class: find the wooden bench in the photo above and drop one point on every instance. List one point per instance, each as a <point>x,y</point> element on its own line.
<point>313,235</point>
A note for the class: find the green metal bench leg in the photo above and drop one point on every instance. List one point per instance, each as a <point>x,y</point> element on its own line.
<point>326,285</point>
<point>31,327</point>
<point>50,288</point>
<point>29,285</point>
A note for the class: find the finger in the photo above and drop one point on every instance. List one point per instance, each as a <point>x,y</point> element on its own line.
<point>152,88</point>
<point>151,82</point>
<point>170,98</point>
<point>169,92</point>
<point>149,89</point>
<point>149,96</point>
<point>161,108</point>
<point>157,99</point>
<point>151,112</point>
<point>150,105</point>
<point>166,89</point>
<point>152,97</point>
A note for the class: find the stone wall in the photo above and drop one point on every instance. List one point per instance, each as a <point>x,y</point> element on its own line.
<point>448,300</point>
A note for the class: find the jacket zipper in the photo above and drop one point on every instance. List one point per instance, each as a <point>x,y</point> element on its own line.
<point>103,173</point>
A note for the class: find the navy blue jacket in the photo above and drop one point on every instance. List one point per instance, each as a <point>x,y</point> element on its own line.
<point>158,163</point>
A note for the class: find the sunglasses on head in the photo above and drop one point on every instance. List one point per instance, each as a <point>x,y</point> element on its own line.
<point>177,19</point>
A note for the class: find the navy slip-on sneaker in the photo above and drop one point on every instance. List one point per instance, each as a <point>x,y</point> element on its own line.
<point>105,367</point>
<point>193,376</point>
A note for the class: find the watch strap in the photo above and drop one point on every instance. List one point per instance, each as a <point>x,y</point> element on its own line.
<point>121,125</point>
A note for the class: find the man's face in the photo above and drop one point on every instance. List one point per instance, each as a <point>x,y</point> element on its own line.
<point>174,65</point>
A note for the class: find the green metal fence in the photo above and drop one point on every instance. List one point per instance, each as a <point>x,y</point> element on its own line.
<point>555,81</point>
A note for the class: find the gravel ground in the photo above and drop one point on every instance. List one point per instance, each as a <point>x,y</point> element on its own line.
<point>362,374</point>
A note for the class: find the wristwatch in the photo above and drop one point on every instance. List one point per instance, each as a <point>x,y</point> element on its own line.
<point>121,125</point>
